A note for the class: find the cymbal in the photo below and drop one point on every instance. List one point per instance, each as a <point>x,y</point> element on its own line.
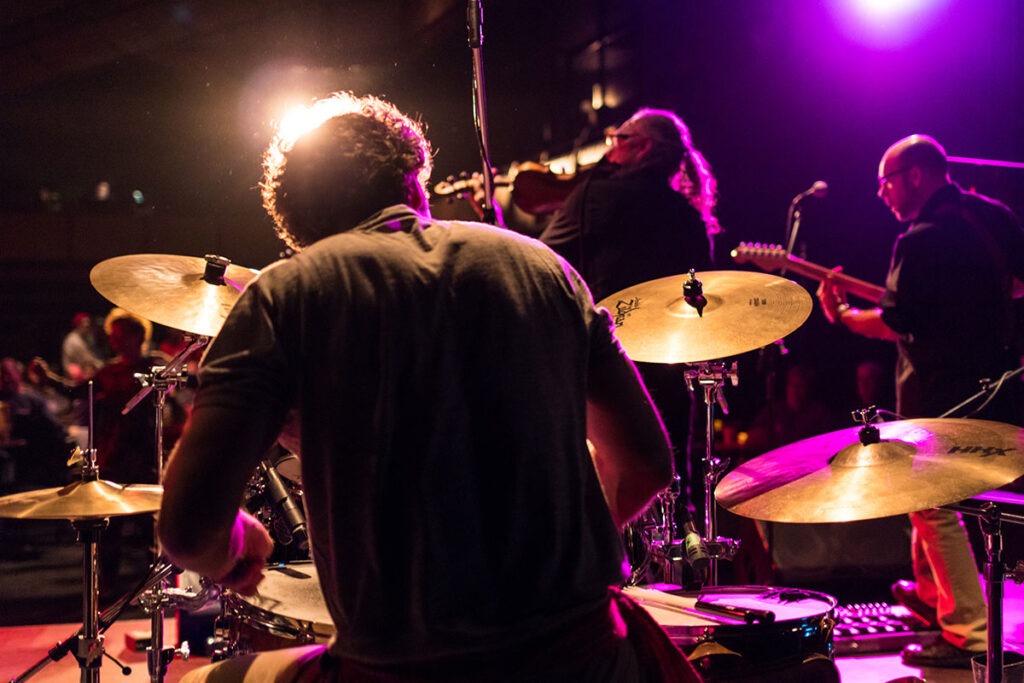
<point>744,311</point>
<point>83,500</point>
<point>171,290</point>
<point>916,465</point>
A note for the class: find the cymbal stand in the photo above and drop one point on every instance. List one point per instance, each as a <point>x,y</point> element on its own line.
<point>107,618</point>
<point>155,601</point>
<point>711,376</point>
<point>87,643</point>
<point>991,518</point>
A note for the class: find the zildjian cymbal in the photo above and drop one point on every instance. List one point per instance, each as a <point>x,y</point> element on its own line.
<point>667,321</point>
<point>182,292</point>
<point>83,500</point>
<point>852,475</point>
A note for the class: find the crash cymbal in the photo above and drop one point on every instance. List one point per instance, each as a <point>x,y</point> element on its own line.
<point>744,311</point>
<point>916,465</point>
<point>83,500</point>
<point>182,292</point>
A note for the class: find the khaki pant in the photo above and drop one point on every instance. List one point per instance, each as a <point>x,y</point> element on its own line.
<point>947,576</point>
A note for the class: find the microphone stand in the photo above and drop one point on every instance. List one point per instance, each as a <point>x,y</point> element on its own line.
<point>474,22</point>
<point>792,228</point>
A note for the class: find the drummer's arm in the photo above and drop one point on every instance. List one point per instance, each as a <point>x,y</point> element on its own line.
<point>200,525</point>
<point>631,453</point>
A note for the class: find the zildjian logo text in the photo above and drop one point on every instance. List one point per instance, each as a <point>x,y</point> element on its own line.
<point>623,309</point>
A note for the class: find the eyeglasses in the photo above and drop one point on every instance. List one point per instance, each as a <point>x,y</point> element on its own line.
<point>613,139</point>
<point>884,181</point>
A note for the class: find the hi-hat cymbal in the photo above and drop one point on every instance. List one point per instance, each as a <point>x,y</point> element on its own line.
<point>744,311</point>
<point>182,292</point>
<point>83,500</point>
<point>916,465</point>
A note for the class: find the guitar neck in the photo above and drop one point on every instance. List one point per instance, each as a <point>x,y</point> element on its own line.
<point>855,286</point>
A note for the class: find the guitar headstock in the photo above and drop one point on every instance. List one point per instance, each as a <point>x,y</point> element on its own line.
<point>764,256</point>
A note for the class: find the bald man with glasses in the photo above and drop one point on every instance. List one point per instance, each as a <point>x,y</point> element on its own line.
<point>947,306</point>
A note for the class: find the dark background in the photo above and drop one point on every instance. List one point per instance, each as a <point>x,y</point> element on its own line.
<point>175,99</point>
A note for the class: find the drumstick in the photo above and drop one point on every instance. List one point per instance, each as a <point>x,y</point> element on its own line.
<point>748,615</point>
<point>672,603</point>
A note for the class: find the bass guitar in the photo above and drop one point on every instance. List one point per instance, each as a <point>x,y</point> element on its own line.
<point>774,257</point>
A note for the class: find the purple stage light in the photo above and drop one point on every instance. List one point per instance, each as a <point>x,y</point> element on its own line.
<point>886,23</point>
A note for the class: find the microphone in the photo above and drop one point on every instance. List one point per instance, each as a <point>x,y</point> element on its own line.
<point>696,552</point>
<point>818,190</point>
<point>282,500</point>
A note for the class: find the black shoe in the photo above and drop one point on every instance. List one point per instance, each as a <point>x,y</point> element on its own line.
<point>939,654</point>
<point>905,593</point>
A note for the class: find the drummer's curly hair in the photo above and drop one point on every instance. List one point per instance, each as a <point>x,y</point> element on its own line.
<point>349,158</point>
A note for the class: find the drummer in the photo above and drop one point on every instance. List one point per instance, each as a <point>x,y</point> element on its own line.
<point>945,305</point>
<point>446,375</point>
<point>646,211</point>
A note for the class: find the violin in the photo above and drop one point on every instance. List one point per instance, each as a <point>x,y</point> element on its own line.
<point>536,189</point>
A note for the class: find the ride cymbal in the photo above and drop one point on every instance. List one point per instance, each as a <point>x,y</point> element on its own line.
<point>741,311</point>
<point>182,292</point>
<point>915,465</point>
<point>83,500</point>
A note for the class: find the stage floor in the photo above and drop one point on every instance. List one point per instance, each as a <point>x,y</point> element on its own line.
<point>24,646</point>
<point>41,605</point>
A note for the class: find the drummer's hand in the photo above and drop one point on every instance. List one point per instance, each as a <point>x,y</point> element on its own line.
<point>256,546</point>
<point>831,297</point>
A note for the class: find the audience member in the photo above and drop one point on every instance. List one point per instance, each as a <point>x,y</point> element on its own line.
<point>796,415</point>
<point>80,352</point>
<point>34,444</point>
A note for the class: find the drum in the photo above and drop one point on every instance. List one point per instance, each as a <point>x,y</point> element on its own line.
<point>734,638</point>
<point>288,611</point>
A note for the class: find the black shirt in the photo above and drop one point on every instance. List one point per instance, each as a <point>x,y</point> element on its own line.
<point>947,296</point>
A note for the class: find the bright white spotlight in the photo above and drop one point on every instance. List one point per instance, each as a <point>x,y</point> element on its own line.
<point>298,120</point>
<point>887,23</point>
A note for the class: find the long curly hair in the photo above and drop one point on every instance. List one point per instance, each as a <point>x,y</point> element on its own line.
<point>349,158</point>
<point>689,173</point>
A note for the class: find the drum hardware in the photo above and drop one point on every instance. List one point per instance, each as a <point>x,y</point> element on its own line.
<point>991,517</point>
<point>878,470</point>
<point>711,377</point>
<point>698,319</point>
<point>662,546</point>
<point>156,600</point>
<point>289,610</point>
<point>888,469</point>
<point>181,292</point>
<point>711,627</point>
<point>88,504</point>
<point>743,311</point>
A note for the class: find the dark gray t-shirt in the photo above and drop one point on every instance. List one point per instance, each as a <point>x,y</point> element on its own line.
<point>440,372</point>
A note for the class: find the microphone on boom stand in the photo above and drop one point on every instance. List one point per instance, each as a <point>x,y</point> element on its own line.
<point>475,26</point>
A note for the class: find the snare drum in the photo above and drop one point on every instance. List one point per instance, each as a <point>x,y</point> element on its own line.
<point>289,610</point>
<point>798,637</point>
